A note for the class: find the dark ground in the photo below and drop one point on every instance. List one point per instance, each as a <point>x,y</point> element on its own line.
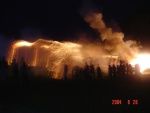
<point>72,96</point>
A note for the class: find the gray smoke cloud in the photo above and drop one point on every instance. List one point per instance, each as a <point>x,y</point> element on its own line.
<point>113,41</point>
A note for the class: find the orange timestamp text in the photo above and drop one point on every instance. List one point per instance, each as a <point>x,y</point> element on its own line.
<point>128,102</point>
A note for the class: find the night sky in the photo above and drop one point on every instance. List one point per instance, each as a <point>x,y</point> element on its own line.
<point>63,19</point>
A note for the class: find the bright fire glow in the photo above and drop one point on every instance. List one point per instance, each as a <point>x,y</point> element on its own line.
<point>46,53</point>
<point>23,43</point>
<point>143,60</point>
<point>54,54</point>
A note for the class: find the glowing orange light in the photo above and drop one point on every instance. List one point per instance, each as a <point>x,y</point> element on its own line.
<point>47,53</point>
<point>23,43</point>
<point>143,60</point>
<point>52,55</point>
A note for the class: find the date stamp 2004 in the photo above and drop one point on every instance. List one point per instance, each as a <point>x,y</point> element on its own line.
<point>128,102</point>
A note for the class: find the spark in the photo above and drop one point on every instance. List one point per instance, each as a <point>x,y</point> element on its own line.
<point>47,53</point>
<point>53,55</point>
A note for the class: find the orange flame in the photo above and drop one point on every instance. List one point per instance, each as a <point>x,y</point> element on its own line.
<point>50,54</point>
<point>143,60</point>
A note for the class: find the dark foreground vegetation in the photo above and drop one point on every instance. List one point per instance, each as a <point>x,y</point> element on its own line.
<point>41,95</point>
<point>23,89</point>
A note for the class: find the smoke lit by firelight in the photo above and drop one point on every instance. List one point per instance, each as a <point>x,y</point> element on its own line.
<point>54,54</point>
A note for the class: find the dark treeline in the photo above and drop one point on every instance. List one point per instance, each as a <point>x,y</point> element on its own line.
<point>13,71</point>
<point>123,70</point>
<point>20,71</point>
<point>90,96</point>
<point>87,72</point>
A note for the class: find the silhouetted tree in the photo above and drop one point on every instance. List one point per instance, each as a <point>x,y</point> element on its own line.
<point>114,69</point>
<point>110,70</point>
<point>23,70</point>
<point>118,70</point>
<point>15,70</point>
<point>65,71</point>
<point>77,72</point>
<point>91,71</point>
<point>86,71</point>
<point>130,70</point>
<point>99,73</point>
<point>74,72</point>
<point>3,69</point>
<point>122,70</point>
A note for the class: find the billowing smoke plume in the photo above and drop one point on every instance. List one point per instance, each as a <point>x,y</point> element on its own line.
<point>54,55</point>
<point>113,41</point>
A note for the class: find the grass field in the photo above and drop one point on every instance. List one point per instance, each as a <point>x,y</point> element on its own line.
<point>75,96</point>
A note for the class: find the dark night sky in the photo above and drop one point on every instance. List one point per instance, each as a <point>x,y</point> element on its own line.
<point>61,20</point>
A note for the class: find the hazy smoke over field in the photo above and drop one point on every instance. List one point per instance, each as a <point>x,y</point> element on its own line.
<point>54,55</point>
<point>113,41</point>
